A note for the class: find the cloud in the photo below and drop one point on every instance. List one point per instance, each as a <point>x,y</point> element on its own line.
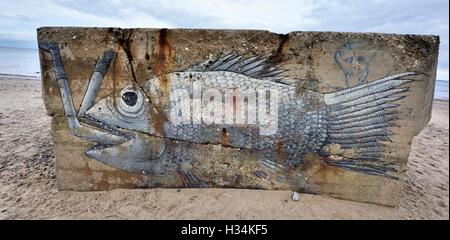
<point>19,19</point>
<point>272,15</point>
<point>442,74</point>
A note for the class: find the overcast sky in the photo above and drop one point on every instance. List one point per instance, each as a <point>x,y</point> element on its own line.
<point>19,19</point>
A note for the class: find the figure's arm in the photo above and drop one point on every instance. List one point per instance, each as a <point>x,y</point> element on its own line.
<point>95,82</point>
<point>77,129</point>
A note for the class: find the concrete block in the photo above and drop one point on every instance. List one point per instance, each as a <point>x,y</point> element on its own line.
<point>316,112</point>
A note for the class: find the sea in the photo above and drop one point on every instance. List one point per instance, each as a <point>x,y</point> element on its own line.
<point>25,62</point>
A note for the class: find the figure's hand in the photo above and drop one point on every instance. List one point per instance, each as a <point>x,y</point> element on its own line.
<point>48,46</point>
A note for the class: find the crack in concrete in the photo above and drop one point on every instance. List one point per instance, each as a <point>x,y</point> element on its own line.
<point>124,42</point>
<point>125,45</point>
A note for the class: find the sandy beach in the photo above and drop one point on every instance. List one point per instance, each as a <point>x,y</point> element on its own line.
<point>28,185</point>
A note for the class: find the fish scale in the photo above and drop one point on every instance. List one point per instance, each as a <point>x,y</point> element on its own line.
<point>357,118</point>
<point>295,138</point>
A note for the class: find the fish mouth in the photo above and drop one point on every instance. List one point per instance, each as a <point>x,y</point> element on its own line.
<point>134,152</point>
<point>119,136</point>
<point>115,132</point>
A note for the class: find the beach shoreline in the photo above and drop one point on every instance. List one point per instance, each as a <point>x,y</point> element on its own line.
<point>18,76</point>
<point>28,187</point>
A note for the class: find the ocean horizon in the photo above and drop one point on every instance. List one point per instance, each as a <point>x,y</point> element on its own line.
<point>25,62</point>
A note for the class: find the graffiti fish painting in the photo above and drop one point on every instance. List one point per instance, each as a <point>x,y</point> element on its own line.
<point>131,129</point>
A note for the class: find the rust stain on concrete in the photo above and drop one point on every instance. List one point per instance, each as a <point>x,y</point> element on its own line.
<point>309,59</point>
<point>224,136</point>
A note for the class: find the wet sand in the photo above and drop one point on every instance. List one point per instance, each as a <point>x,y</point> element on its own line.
<point>28,185</point>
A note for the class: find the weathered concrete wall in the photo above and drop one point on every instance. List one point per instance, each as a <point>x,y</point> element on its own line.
<point>360,151</point>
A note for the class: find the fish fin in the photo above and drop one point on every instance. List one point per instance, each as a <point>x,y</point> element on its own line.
<point>271,168</point>
<point>192,178</point>
<point>273,171</point>
<point>360,118</point>
<point>255,67</point>
<point>379,168</point>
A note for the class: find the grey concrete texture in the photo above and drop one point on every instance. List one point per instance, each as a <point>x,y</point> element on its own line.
<point>373,91</point>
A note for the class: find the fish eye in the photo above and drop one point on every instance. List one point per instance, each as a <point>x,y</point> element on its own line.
<point>130,102</point>
<point>130,98</point>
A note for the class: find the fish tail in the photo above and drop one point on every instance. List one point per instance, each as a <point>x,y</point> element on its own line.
<point>360,119</point>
